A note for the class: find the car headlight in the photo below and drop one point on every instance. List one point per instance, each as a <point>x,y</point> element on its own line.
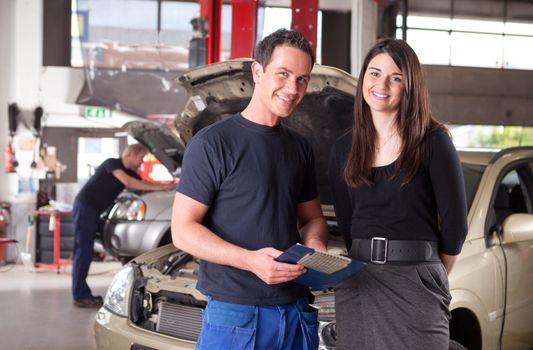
<point>128,209</point>
<point>117,298</point>
<point>327,332</point>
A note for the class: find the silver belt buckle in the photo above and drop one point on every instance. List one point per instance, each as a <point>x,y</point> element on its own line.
<point>386,246</point>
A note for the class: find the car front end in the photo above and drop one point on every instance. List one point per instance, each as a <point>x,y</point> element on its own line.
<point>152,303</point>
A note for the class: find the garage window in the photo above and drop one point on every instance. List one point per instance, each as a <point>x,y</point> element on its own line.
<point>92,151</point>
<point>103,32</point>
<point>469,42</point>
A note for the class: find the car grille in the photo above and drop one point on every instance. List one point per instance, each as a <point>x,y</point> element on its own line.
<point>180,321</point>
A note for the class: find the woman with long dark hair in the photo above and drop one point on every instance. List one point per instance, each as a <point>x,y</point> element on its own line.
<point>399,198</point>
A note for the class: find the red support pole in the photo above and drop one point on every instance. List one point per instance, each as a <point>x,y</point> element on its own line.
<point>212,11</point>
<point>243,27</point>
<point>304,19</point>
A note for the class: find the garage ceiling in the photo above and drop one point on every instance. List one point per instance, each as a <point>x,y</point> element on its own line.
<point>518,10</point>
<point>521,10</point>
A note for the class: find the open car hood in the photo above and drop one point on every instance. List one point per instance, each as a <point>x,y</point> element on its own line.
<point>160,141</point>
<point>218,90</point>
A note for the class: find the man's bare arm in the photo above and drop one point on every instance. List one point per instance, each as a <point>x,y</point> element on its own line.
<point>313,228</point>
<point>131,182</point>
<point>190,235</point>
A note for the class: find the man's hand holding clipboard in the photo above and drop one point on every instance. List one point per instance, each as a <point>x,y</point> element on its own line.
<point>324,269</point>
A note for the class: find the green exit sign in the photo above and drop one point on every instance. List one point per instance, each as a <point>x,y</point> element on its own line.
<point>98,112</point>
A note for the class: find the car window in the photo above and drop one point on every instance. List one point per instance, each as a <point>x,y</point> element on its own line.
<point>472,176</point>
<point>514,192</point>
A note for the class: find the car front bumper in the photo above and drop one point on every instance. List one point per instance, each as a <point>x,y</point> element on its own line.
<point>113,332</point>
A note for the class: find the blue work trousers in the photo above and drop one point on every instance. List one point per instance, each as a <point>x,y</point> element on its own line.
<point>85,219</point>
<point>261,327</point>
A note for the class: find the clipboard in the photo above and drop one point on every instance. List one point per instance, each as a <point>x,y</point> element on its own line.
<point>324,270</point>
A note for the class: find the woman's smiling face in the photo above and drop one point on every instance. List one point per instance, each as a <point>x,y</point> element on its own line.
<point>383,85</point>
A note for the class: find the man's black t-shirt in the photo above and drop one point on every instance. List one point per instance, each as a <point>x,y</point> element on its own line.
<point>252,177</point>
<point>103,187</point>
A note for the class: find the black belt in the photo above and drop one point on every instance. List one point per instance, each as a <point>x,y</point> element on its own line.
<point>381,250</point>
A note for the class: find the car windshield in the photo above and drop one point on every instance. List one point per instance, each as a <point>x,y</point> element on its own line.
<point>472,175</point>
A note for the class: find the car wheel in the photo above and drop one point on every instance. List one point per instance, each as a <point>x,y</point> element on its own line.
<point>456,346</point>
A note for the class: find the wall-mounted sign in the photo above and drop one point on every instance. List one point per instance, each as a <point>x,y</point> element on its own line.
<point>98,112</point>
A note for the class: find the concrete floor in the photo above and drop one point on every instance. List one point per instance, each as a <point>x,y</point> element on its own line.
<point>36,310</point>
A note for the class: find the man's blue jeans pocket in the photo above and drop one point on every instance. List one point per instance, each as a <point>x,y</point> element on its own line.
<point>228,326</point>
<point>309,322</point>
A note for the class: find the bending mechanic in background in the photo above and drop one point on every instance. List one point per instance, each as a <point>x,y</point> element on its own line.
<point>110,178</point>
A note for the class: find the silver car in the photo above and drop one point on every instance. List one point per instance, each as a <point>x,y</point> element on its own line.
<point>139,221</point>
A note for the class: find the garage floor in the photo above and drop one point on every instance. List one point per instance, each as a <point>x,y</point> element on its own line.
<point>36,310</point>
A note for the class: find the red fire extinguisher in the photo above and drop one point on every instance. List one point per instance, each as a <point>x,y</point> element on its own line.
<point>10,162</point>
<point>10,159</point>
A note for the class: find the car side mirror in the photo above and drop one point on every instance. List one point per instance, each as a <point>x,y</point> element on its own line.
<point>518,228</point>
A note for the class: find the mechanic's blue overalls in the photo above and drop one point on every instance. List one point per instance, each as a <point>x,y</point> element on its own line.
<point>261,327</point>
<point>85,219</point>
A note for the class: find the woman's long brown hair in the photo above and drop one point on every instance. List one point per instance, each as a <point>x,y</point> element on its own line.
<point>414,120</point>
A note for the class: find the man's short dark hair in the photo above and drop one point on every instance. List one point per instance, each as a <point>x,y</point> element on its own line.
<point>265,48</point>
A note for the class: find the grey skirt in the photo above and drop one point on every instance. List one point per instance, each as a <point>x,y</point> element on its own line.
<point>394,307</point>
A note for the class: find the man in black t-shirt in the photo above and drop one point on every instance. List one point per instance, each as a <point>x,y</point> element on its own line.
<point>99,193</point>
<point>247,192</point>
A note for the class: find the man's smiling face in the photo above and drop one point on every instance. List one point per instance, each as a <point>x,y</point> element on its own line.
<point>283,82</point>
